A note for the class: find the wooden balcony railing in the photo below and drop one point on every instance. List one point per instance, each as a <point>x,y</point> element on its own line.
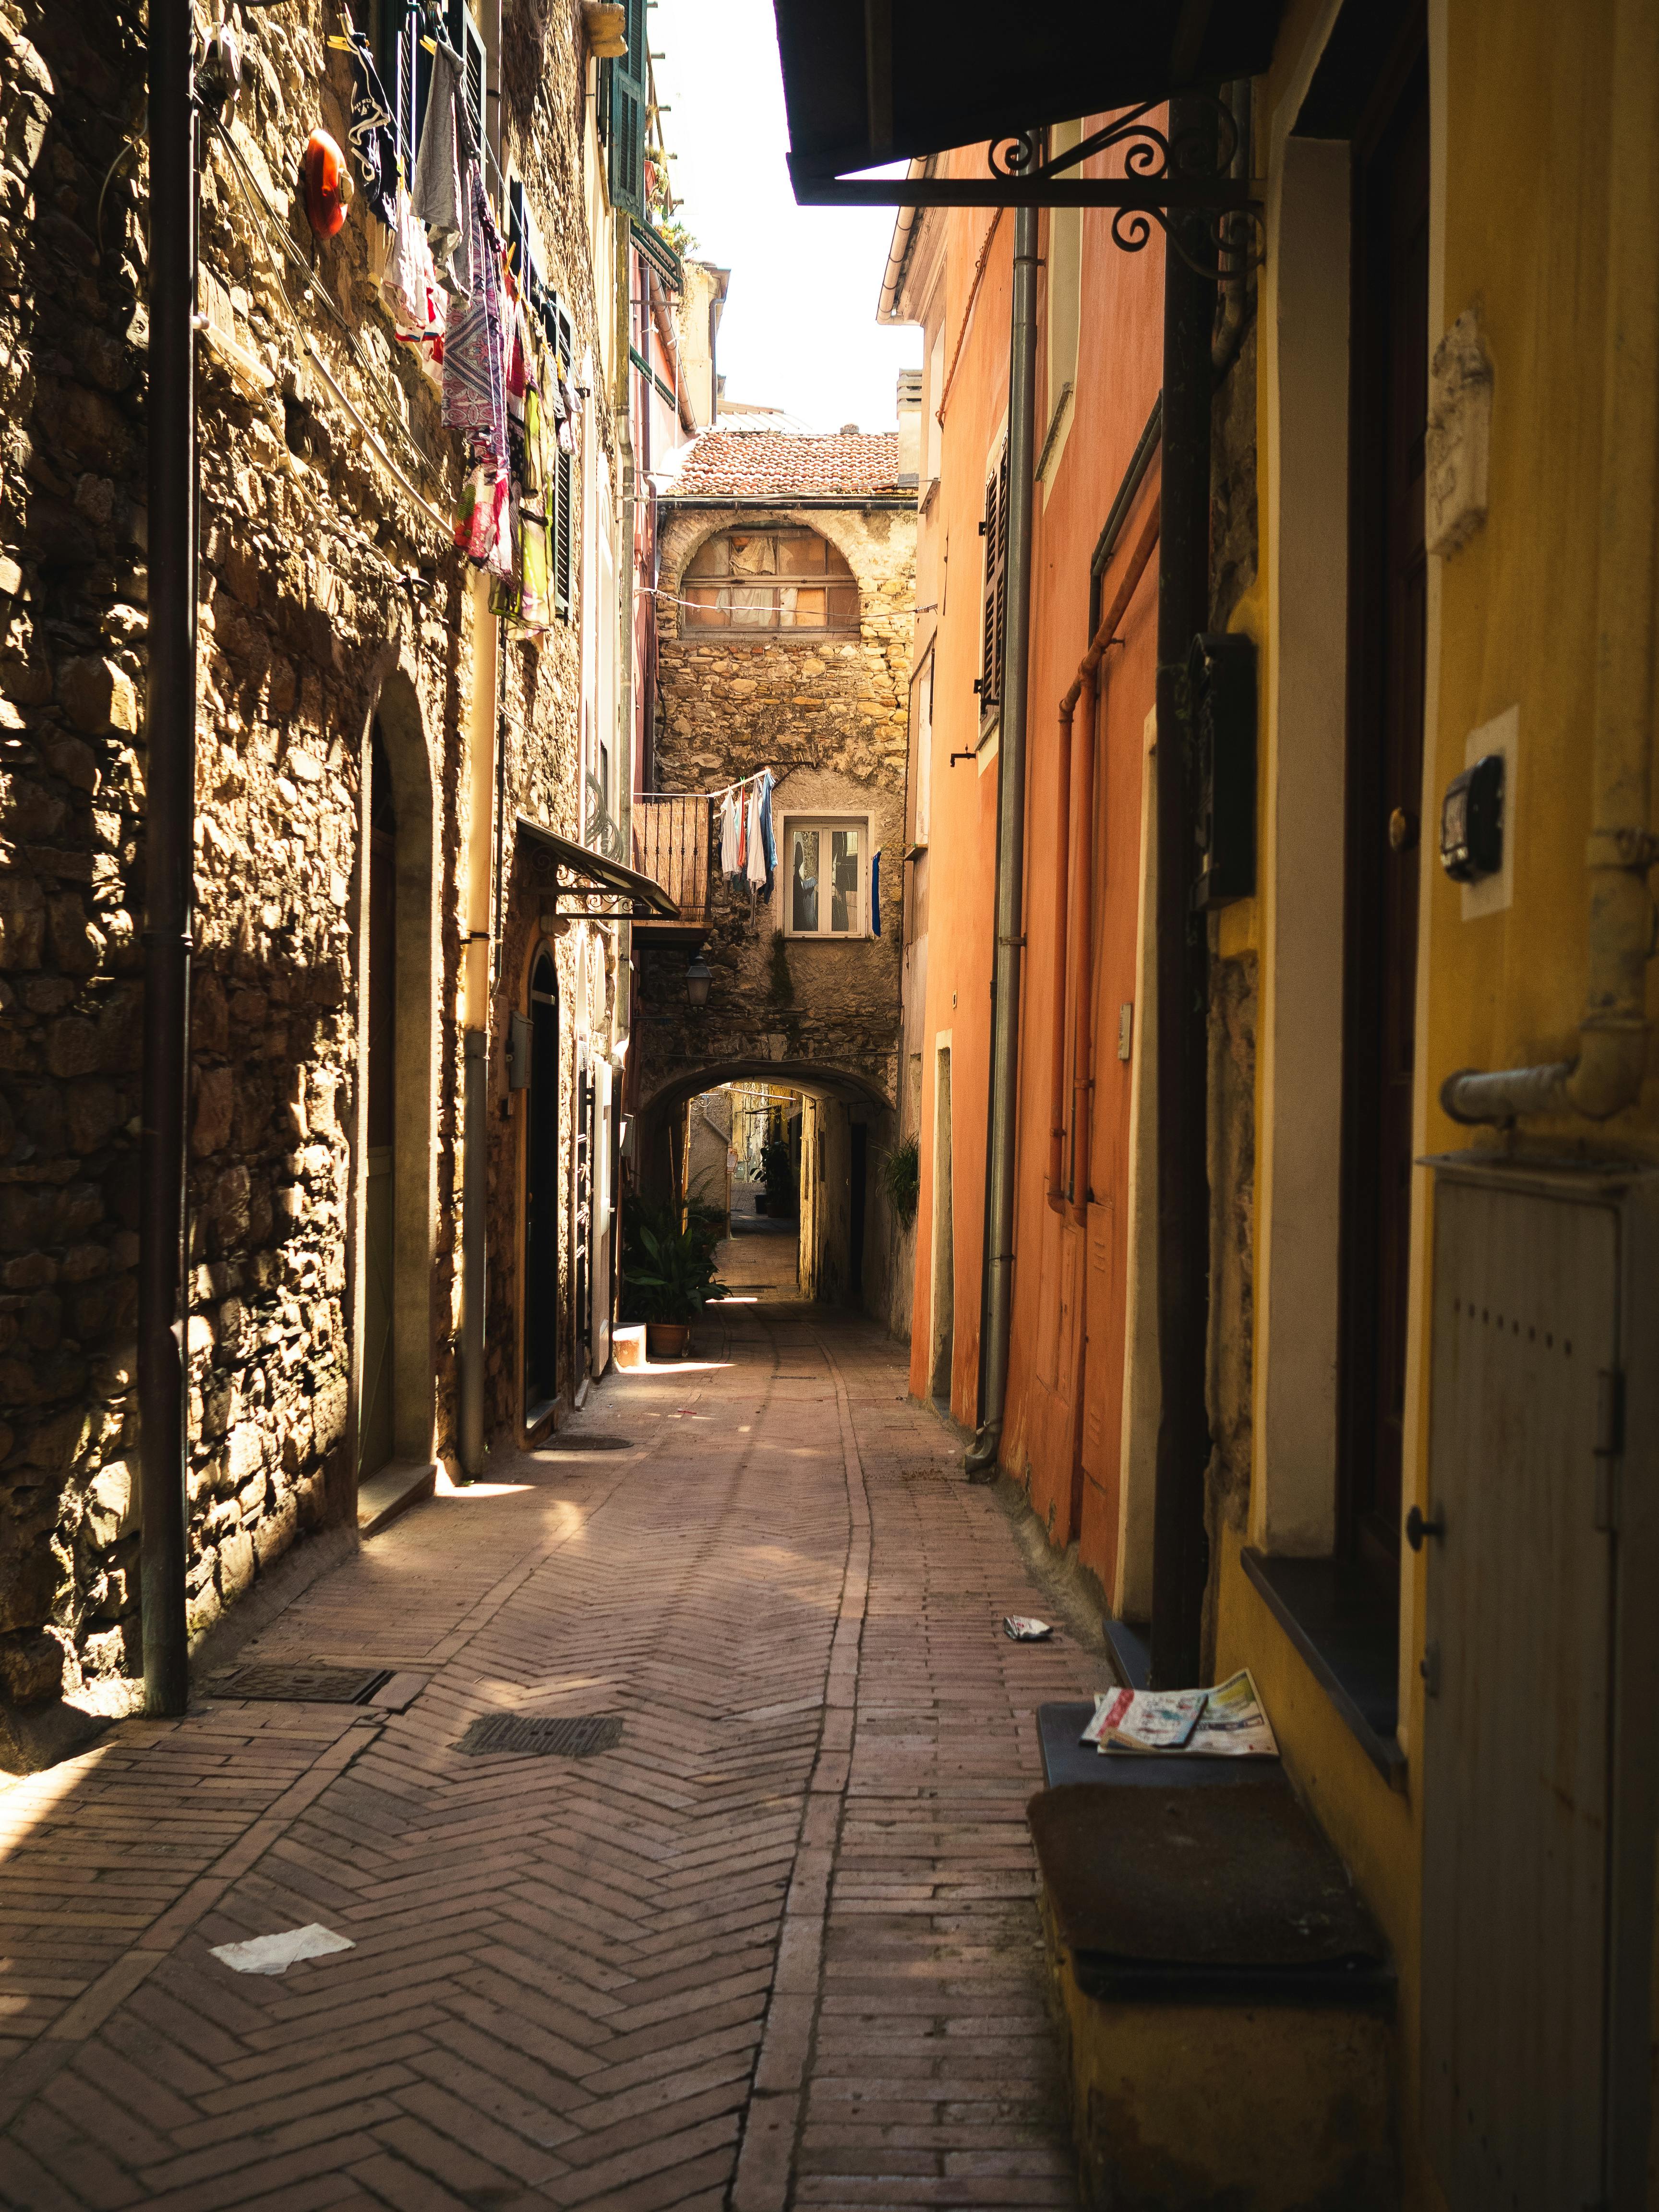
<point>670,846</point>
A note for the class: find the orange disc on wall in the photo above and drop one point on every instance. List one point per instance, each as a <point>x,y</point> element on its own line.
<point>328,183</point>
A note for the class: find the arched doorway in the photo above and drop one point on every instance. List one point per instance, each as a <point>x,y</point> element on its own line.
<point>395,1265</point>
<point>541,1210</point>
<point>375,1431</point>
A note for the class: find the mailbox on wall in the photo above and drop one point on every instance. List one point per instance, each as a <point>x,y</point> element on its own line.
<point>1221,706</point>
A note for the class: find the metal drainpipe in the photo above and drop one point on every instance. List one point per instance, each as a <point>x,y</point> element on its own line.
<point>1612,1034</point>
<point>170,736</point>
<point>1179,1561</point>
<point>996,1294</point>
<point>481,742</point>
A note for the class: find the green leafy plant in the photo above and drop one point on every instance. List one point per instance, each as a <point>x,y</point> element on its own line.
<point>668,1261</point>
<point>900,1175</point>
<point>779,1180</point>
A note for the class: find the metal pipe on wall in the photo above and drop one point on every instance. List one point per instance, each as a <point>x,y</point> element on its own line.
<point>170,776</point>
<point>480,845</point>
<point>997,1286</point>
<point>1180,1546</point>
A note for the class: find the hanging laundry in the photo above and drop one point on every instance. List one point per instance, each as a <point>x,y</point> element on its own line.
<point>445,156</point>
<point>743,832</point>
<point>475,396</point>
<point>374,147</point>
<point>405,275</point>
<point>759,871</point>
<point>729,834</point>
<point>768,843</point>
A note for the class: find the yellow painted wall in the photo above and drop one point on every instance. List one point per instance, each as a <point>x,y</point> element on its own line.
<point>1520,97</point>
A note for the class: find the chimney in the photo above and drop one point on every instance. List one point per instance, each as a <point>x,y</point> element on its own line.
<point>909,428</point>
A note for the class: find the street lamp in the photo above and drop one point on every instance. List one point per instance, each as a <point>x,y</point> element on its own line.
<point>698,977</point>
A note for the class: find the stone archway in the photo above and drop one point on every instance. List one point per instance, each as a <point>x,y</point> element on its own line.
<point>846,1232</point>
<point>394,733</point>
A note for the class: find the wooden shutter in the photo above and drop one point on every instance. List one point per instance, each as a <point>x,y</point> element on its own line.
<point>560,516</point>
<point>626,117</point>
<point>995,610</point>
<point>468,42</point>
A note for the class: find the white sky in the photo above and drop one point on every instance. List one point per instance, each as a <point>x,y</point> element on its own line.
<point>800,329</point>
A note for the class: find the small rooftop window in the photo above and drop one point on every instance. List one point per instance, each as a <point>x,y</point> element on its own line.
<point>790,579</point>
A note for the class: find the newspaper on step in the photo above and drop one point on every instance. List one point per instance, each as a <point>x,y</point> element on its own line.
<point>1228,1721</point>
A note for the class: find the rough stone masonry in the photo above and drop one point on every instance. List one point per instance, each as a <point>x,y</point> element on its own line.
<point>326,591</point>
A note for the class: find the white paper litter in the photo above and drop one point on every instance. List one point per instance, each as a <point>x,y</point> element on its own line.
<point>1021,1628</point>
<point>275,1954</point>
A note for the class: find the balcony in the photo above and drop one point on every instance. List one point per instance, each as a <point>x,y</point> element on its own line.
<point>671,838</point>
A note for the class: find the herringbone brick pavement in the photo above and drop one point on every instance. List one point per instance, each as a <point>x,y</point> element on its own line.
<point>777,1948</point>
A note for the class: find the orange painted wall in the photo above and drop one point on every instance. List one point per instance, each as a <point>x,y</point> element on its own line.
<point>1066,1369</point>
<point>962,878</point>
<point>1116,381</point>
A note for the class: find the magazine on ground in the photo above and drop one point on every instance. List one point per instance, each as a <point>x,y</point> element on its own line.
<point>1227,1721</point>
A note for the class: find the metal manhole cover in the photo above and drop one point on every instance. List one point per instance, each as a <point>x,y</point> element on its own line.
<point>559,1446</point>
<point>306,1686</point>
<point>578,1738</point>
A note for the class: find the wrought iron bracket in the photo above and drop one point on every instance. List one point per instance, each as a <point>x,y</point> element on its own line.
<point>1160,177</point>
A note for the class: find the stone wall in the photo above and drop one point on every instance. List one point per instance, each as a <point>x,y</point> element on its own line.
<point>326,591</point>
<point>827,716</point>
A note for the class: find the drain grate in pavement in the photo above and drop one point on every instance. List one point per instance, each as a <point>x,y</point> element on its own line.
<point>578,1738</point>
<point>557,1446</point>
<point>302,1686</point>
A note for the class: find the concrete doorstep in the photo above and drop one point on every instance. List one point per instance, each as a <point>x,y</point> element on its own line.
<point>393,1492</point>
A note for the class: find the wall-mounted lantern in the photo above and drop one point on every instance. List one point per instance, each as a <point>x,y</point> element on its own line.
<point>698,976</point>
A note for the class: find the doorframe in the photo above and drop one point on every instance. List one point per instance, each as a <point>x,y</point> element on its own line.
<point>395,704</point>
<point>942,1283</point>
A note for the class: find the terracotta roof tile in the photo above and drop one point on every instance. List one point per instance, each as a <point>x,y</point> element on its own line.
<point>774,464</point>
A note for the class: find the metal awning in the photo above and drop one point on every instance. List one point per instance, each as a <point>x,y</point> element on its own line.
<point>867,82</point>
<point>579,874</point>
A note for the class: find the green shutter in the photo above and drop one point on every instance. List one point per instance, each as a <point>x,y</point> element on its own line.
<point>627,74</point>
<point>564,479</point>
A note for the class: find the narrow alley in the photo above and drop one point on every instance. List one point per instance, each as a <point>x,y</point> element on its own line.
<point>781,1940</point>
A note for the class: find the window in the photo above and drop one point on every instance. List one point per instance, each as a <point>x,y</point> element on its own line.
<point>623,109</point>
<point>933,435</point>
<point>824,889</point>
<point>922,753</point>
<point>769,580</point>
<point>994,530</point>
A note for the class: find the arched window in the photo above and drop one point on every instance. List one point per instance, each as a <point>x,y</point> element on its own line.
<point>784,578</point>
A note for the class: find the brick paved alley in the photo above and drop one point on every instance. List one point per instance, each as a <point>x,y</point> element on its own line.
<point>778,1946</point>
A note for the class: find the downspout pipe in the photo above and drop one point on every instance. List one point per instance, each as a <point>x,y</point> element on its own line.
<point>1606,1074</point>
<point>475,1158</point>
<point>997,1288</point>
<point>169,838</point>
<point>1180,1546</point>
<point>1063,829</point>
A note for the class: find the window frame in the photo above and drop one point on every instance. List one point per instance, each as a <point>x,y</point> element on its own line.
<point>824,822</point>
<point>808,632</point>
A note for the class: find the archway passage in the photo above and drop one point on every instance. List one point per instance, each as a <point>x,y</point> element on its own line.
<point>713,1133</point>
<point>541,1234</point>
<point>377,1429</point>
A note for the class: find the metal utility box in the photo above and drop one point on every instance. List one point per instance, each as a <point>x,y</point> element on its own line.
<point>1538,1733</point>
<point>1221,703</point>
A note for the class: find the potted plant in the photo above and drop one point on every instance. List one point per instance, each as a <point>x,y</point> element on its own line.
<point>668,1272</point>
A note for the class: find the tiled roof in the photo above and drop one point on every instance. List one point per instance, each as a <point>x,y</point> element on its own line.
<point>779,463</point>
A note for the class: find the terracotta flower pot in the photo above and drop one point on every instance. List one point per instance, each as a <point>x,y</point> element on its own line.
<point>667,1340</point>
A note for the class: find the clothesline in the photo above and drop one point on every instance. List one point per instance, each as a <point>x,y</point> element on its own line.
<point>725,791</point>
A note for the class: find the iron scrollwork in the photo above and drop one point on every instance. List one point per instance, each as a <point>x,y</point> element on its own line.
<point>1199,152</point>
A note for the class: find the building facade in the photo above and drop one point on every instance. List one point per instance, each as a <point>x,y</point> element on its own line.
<point>784,591</point>
<point>409,997</point>
<point>1402,760</point>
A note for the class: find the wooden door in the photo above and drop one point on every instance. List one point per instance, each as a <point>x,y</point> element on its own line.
<point>1515,1757</point>
<point>1388,587</point>
<point>541,1239</point>
<point>375,1433</point>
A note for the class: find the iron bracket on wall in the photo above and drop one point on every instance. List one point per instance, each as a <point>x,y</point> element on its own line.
<point>1160,177</point>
